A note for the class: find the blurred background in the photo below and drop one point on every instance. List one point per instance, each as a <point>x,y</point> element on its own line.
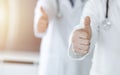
<point>19,49</point>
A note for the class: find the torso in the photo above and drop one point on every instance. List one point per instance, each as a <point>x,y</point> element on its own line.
<point>107,52</point>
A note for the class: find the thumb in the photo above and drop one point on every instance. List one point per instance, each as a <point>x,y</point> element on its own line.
<point>43,11</point>
<point>87,26</point>
<point>87,22</point>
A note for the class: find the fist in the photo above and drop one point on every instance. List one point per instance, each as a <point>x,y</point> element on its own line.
<point>81,38</point>
<point>43,22</point>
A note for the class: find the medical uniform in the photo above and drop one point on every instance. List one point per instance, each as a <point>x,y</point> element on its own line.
<point>54,58</point>
<point>105,40</point>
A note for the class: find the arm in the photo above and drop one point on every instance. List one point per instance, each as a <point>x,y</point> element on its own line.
<point>90,10</point>
<point>44,12</point>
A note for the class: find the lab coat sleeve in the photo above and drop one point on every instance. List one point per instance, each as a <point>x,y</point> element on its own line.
<point>50,9</point>
<point>90,10</point>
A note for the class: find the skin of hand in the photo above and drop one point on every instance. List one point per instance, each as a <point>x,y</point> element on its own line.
<point>81,38</point>
<point>43,22</point>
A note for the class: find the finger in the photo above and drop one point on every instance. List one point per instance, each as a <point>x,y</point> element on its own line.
<point>81,52</point>
<point>81,47</point>
<point>84,47</point>
<point>87,26</point>
<point>81,34</point>
<point>83,41</point>
<point>43,11</point>
<point>87,22</point>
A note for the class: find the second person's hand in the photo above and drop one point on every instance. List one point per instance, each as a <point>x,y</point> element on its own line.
<point>81,38</point>
<point>43,22</point>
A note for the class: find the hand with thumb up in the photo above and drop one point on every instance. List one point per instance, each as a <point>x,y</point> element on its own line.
<point>43,22</point>
<point>81,38</point>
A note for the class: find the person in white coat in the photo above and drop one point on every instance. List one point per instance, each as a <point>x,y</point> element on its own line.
<point>98,31</point>
<point>54,20</point>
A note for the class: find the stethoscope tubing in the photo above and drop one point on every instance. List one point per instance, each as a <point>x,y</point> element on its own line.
<point>107,8</point>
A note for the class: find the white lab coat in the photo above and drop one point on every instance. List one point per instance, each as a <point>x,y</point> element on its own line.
<point>54,52</point>
<point>106,42</point>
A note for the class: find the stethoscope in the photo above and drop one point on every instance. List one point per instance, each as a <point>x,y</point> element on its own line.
<point>106,24</point>
<point>59,14</point>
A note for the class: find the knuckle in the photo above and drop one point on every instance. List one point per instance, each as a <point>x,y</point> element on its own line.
<point>76,50</point>
<point>85,52</point>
